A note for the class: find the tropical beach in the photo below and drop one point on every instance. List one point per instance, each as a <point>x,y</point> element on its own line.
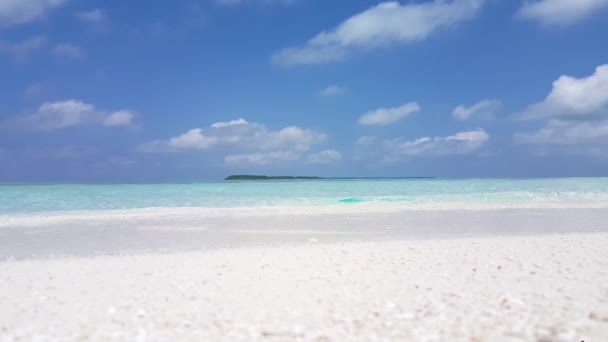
<point>490,270</point>
<point>304,170</point>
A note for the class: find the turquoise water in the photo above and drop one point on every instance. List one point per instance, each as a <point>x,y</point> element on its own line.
<point>37,198</point>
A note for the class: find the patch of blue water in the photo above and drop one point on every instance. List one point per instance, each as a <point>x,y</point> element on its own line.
<point>37,198</point>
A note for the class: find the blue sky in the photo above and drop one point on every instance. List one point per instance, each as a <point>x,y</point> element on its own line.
<point>192,90</point>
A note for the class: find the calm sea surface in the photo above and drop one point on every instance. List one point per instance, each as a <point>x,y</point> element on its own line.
<point>36,198</point>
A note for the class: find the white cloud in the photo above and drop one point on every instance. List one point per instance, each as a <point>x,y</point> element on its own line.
<point>560,12</point>
<point>68,51</point>
<point>482,110</point>
<point>71,113</point>
<point>325,157</point>
<point>574,97</point>
<point>387,116</point>
<point>240,121</point>
<point>94,16</point>
<point>239,134</point>
<point>299,139</point>
<point>559,132</point>
<point>21,51</point>
<point>458,144</point>
<point>332,90</point>
<point>366,140</point>
<point>575,114</point>
<point>386,23</point>
<point>57,115</point>
<point>15,12</point>
<point>193,139</point>
<point>119,118</point>
<point>261,158</point>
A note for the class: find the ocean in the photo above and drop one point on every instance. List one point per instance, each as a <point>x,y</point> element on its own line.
<point>230,194</point>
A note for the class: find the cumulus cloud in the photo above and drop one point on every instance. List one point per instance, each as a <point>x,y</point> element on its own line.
<point>193,139</point>
<point>292,136</point>
<point>68,51</point>
<point>21,51</point>
<point>119,118</point>
<point>71,113</point>
<point>15,12</point>
<point>568,137</point>
<point>573,97</point>
<point>574,115</point>
<point>560,12</point>
<point>239,134</point>
<point>390,150</point>
<point>261,158</point>
<point>558,132</point>
<point>332,90</point>
<point>458,144</point>
<point>57,115</point>
<point>384,24</point>
<point>387,116</point>
<point>240,121</point>
<point>325,157</point>
<point>482,110</point>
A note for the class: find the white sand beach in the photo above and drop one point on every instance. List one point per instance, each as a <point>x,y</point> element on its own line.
<point>269,278</point>
<point>304,170</point>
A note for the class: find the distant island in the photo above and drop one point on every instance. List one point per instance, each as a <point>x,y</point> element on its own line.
<point>254,177</point>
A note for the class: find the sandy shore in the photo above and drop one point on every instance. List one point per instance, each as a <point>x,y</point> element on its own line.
<point>350,273</point>
<point>163,230</point>
<point>550,287</point>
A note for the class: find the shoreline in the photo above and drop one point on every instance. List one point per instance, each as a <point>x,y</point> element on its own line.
<point>24,218</point>
<point>189,229</point>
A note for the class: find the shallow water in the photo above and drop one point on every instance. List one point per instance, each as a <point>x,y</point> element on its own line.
<point>60,197</point>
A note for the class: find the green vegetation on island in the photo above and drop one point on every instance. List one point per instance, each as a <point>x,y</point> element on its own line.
<point>254,177</point>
